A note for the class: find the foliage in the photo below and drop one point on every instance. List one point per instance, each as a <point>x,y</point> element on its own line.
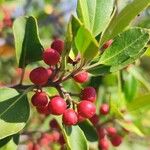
<point>97,22</point>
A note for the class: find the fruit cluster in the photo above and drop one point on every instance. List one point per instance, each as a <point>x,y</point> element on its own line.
<point>105,131</point>
<point>61,104</point>
<point>48,139</point>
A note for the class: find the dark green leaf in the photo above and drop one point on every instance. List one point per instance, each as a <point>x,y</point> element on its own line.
<point>86,44</point>
<point>14,111</point>
<point>123,19</point>
<point>9,143</point>
<point>89,131</point>
<point>27,43</point>
<point>95,14</point>
<point>99,70</point>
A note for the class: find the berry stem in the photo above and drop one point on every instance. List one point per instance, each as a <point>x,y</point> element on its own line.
<point>22,76</point>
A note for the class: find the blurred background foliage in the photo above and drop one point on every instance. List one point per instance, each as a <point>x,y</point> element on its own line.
<point>128,85</point>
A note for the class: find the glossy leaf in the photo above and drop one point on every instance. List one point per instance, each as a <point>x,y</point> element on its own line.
<point>99,70</point>
<point>123,19</point>
<point>95,14</point>
<point>75,138</point>
<point>14,111</point>
<point>86,44</point>
<point>9,143</point>
<point>89,131</point>
<point>126,48</point>
<point>27,43</point>
<point>130,127</point>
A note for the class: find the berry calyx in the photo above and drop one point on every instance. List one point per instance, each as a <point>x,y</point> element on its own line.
<point>103,144</point>
<point>58,45</point>
<point>107,44</point>
<point>70,117</point>
<point>89,94</point>
<point>81,77</point>
<point>57,105</point>
<point>86,109</point>
<point>39,76</point>
<point>39,99</point>
<point>116,140</point>
<point>111,131</point>
<point>104,109</point>
<point>51,56</point>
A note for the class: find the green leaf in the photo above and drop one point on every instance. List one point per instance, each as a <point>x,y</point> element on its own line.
<point>126,48</point>
<point>139,103</point>
<point>14,111</point>
<point>75,138</point>
<point>130,87</point>
<point>99,70</point>
<point>86,44</point>
<point>27,43</point>
<point>89,131</point>
<point>115,111</point>
<point>9,143</point>
<point>123,19</point>
<point>130,127</point>
<point>95,14</point>
<point>139,75</point>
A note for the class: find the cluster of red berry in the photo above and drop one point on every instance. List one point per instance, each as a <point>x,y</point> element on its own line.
<point>57,105</point>
<point>105,133</point>
<point>46,140</point>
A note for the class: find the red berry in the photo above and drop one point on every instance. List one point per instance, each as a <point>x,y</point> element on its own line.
<point>70,117</point>
<point>81,77</point>
<point>39,99</point>
<point>80,118</point>
<point>104,109</point>
<point>55,135</point>
<point>36,147</point>
<point>39,76</point>
<point>49,70</point>
<point>103,144</point>
<point>89,94</point>
<point>30,146</point>
<point>54,124</point>
<point>43,110</point>
<point>101,132</point>
<point>86,109</point>
<point>58,45</point>
<point>57,105</point>
<point>45,139</point>
<point>116,140</point>
<point>107,44</point>
<point>61,140</point>
<point>94,119</point>
<point>51,56</point>
<point>111,131</point>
